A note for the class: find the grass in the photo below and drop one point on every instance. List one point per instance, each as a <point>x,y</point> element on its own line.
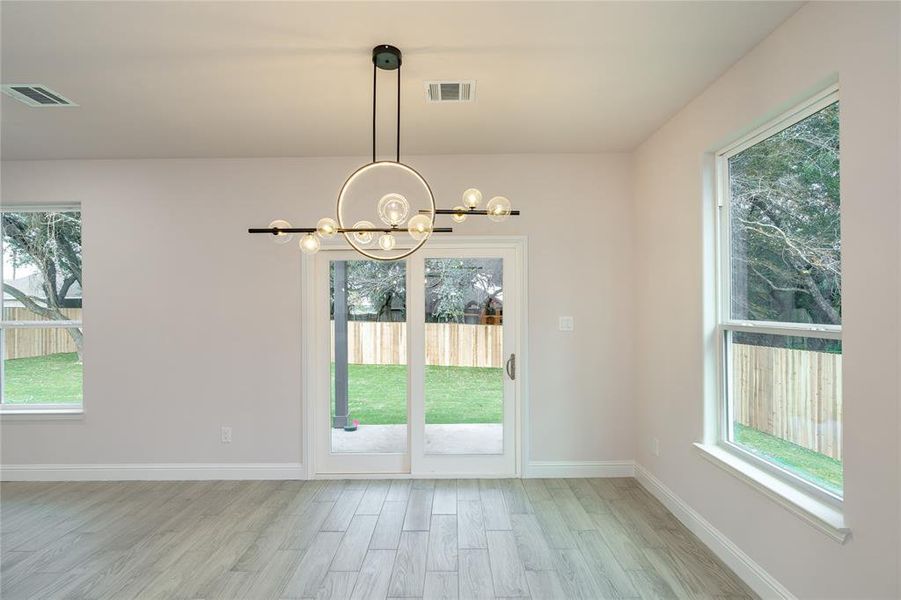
<point>377,394</point>
<point>54,378</point>
<point>818,468</point>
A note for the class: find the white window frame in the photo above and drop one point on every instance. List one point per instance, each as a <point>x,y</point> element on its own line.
<point>726,324</point>
<point>53,409</point>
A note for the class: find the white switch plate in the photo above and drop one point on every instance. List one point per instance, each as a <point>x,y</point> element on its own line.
<point>566,323</point>
<point>226,435</point>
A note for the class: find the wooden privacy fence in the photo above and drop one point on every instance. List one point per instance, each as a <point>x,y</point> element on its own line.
<point>448,344</point>
<point>795,395</point>
<point>24,343</point>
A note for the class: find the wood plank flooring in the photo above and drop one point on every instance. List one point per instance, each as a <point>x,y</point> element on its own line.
<point>468,539</point>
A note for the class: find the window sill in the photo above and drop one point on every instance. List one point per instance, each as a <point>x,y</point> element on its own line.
<point>41,414</point>
<point>816,512</point>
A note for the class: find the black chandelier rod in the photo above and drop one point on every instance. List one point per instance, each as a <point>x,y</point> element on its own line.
<point>278,230</point>
<point>375,70</point>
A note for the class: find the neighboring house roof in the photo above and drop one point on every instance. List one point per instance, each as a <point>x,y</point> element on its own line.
<point>31,285</point>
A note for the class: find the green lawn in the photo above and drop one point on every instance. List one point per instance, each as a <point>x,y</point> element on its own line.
<point>820,469</point>
<point>378,394</point>
<point>53,378</point>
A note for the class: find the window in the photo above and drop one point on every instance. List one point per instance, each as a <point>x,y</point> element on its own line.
<point>41,332</point>
<point>780,302</point>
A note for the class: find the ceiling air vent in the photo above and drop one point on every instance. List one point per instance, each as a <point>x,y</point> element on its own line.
<point>450,91</point>
<point>35,94</point>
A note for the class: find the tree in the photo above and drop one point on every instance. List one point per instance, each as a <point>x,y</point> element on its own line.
<point>785,224</point>
<point>451,284</point>
<point>50,242</point>
<point>374,284</point>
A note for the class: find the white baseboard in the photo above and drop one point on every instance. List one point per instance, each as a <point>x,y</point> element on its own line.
<point>202,471</point>
<point>553,468</point>
<point>152,472</point>
<point>744,566</point>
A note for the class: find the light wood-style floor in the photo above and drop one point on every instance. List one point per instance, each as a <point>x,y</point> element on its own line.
<point>551,538</point>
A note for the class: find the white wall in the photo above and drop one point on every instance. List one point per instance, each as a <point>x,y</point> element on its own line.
<point>858,44</point>
<point>191,323</point>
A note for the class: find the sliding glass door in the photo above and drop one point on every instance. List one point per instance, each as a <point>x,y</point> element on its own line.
<point>415,363</point>
<point>362,396</point>
<point>465,359</point>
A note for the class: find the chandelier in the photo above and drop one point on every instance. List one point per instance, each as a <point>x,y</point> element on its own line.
<point>386,209</point>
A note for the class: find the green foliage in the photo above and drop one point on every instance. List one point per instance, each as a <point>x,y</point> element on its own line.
<point>377,394</point>
<point>818,468</point>
<point>376,291</point>
<point>785,224</point>
<point>454,286</point>
<point>50,242</point>
<point>374,288</point>
<point>54,378</point>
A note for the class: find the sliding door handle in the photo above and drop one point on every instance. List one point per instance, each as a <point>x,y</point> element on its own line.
<point>511,366</point>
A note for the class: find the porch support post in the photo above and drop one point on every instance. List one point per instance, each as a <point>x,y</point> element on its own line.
<point>340,419</point>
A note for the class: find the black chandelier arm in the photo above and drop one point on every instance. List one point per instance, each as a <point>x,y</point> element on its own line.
<point>468,211</point>
<point>398,113</point>
<point>278,230</point>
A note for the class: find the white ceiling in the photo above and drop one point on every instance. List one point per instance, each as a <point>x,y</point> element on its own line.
<point>247,79</point>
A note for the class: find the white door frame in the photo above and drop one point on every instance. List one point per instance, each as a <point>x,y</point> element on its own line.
<point>310,381</point>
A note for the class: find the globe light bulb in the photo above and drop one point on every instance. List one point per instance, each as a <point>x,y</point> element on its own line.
<point>498,209</point>
<point>420,227</point>
<point>472,197</point>
<point>387,242</point>
<point>281,238</point>
<point>393,209</point>
<point>363,237</point>
<point>326,227</point>
<point>459,214</point>
<point>309,244</point>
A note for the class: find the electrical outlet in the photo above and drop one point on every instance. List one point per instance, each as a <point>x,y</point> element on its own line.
<point>566,324</point>
<point>226,434</point>
<point>655,447</point>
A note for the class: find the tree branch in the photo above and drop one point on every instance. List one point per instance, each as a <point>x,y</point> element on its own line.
<point>31,305</point>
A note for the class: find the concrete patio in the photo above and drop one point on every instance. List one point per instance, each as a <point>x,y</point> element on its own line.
<point>471,438</point>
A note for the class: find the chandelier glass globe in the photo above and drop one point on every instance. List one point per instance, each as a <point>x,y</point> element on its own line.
<point>459,214</point>
<point>309,244</point>
<point>363,237</point>
<point>387,242</point>
<point>498,208</point>
<point>420,227</point>
<point>472,197</point>
<point>326,227</point>
<point>393,209</point>
<point>281,238</point>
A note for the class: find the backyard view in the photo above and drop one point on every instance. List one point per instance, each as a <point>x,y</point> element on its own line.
<point>463,378</point>
<point>42,299</point>
<point>785,267</point>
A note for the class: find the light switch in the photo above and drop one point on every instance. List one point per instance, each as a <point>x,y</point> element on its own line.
<point>566,323</point>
